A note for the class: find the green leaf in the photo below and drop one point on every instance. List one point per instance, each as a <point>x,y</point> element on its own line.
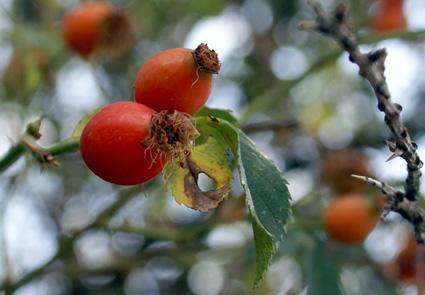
<point>226,115</point>
<point>265,248</point>
<point>323,274</point>
<point>266,192</point>
<point>82,123</point>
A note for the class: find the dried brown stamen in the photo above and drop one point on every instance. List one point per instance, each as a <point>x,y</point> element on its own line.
<point>116,36</point>
<point>171,136</point>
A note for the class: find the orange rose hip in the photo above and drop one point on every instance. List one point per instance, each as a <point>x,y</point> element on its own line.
<point>350,218</point>
<point>96,27</point>
<point>177,79</point>
<point>389,16</point>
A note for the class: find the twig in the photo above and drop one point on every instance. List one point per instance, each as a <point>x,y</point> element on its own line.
<point>65,244</point>
<point>182,234</point>
<point>270,126</point>
<point>372,68</point>
<point>40,154</point>
<point>183,257</point>
<point>26,144</point>
<point>12,155</point>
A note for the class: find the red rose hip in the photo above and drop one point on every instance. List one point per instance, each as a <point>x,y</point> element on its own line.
<point>128,143</point>
<point>177,79</point>
<point>112,144</point>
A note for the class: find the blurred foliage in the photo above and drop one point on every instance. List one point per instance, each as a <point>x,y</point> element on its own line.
<point>152,245</point>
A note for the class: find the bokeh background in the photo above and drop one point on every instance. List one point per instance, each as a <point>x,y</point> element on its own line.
<point>297,96</point>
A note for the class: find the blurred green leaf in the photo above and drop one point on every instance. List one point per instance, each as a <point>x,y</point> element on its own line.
<point>82,123</point>
<point>322,272</point>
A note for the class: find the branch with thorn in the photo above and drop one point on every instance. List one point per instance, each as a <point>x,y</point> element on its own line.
<point>372,68</point>
<point>41,155</point>
<point>27,143</point>
<point>28,140</point>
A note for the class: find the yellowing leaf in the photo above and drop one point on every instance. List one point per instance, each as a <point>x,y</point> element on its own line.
<point>209,158</point>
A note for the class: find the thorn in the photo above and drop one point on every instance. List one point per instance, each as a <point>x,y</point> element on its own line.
<point>50,159</point>
<point>383,54</point>
<point>368,180</point>
<point>384,188</point>
<point>42,156</point>
<point>377,55</point>
<point>359,177</point>
<point>392,157</point>
<point>396,152</point>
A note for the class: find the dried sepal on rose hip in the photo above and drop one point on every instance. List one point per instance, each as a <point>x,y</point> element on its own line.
<point>98,28</point>
<point>128,143</point>
<point>177,79</point>
<point>337,166</point>
<point>171,135</point>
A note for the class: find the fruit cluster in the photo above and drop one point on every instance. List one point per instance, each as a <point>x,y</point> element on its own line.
<point>127,142</point>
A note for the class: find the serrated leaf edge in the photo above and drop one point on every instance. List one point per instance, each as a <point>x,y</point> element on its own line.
<point>246,187</point>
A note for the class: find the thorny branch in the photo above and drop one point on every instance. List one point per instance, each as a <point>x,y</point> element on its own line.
<point>372,68</point>
<point>27,143</point>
